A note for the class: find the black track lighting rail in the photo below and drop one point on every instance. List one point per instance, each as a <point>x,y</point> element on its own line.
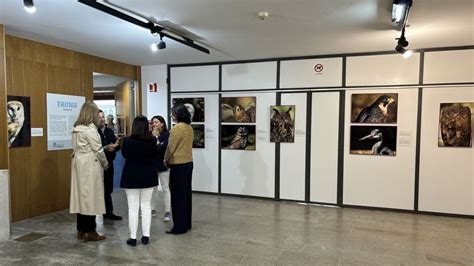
<point>152,27</point>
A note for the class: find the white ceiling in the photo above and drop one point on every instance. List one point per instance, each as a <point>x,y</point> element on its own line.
<point>101,80</point>
<point>232,28</point>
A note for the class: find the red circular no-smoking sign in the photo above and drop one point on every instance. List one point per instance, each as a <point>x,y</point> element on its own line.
<point>318,68</point>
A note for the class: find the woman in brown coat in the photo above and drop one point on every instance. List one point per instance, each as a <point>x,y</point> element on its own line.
<point>87,173</point>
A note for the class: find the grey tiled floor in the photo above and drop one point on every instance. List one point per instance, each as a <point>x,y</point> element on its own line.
<point>228,230</point>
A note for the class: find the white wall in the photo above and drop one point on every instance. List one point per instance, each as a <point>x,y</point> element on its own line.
<point>383,181</point>
<point>195,78</point>
<point>252,172</point>
<point>206,161</point>
<point>449,67</point>
<point>446,174</point>
<point>324,147</point>
<point>154,103</point>
<point>375,70</point>
<point>251,76</point>
<point>293,155</point>
<point>4,205</point>
<point>302,73</point>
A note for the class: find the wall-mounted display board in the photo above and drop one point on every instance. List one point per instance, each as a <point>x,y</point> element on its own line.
<point>446,173</point>
<point>62,112</point>
<point>249,76</point>
<point>381,181</point>
<point>449,67</point>
<point>292,154</point>
<point>195,78</point>
<point>324,147</point>
<point>381,70</point>
<point>206,140</point>
<point>310,73</point>
<point>246,172</point>
<point>18,121</point>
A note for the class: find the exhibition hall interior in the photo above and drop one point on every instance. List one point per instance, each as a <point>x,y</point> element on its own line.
<point>323,132</point>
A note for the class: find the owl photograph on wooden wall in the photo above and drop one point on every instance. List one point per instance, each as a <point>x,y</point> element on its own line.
<point>18,121</point>
<point>456,123</point>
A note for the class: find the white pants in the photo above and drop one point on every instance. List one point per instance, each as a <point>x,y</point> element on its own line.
<point>139,198</point>
<point>164,178</point>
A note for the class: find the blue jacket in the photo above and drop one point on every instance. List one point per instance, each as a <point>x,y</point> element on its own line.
<point>140,157</point>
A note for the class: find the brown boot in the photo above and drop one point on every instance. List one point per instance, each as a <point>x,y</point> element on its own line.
<point>80,235</point>
<point>93,237</point>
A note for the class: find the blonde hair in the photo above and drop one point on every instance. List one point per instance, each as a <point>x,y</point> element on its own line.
<point>89,114</point>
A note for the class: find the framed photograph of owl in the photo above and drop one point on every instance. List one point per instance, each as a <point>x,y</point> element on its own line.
<point>374,108</point>
<point>195,107</point>
<point>18,121</point>
<point>456,123</point>
<point>239,109</point>
<point>282,123</point>
<point>238,137</point>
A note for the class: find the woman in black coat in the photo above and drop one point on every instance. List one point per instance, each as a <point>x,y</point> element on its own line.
<point>139,177</point>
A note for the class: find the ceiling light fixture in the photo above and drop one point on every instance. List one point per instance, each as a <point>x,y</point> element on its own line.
<point>154,47</point>
<point>400,9</point>
<point>402,44</point>
<point>29,6</point>
<point>161,44</point>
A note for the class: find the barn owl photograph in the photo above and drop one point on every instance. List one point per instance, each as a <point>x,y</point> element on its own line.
<point>18,121</point>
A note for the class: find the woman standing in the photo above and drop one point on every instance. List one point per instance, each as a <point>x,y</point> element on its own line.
<point>139,177</point>
<point>87,173</point>
<point>179,158</point>
<point>160,132</point>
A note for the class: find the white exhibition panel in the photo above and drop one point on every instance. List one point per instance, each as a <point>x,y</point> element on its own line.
<point>324,147</point>
<point>293,155</point>
<point>449,67</point>
<point>377,70</point>
<point>446,173</point>
<point>206,161</point>
<point>195,78</point>
<point>309,73</point>
<point>252,173</point>
<point>383,181</point>
<point>250,76</point>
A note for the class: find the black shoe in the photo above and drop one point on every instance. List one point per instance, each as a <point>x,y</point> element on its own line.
<point>112,216</point>
<point>173,232</point>
<point>145,240</point>
<point>132,242</point>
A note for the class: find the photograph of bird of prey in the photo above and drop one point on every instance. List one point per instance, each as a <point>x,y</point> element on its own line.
<point>282,123</point>
<point>374,140</point>
<point>18,121</point>
<point>199,140</point>
<point>374,108</point>
<point>195,107</point>
<point>456,123</point>
<point>239,109</point>
<point>238,137</point>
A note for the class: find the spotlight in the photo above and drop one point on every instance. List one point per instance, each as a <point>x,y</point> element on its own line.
<point>405,53</point>
<point>161,44</point>
<point>154,47</point>
<point>400,10</point>
<point>29,6</point>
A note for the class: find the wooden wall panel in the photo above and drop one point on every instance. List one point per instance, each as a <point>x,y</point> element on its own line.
<point>3,101</point>
<point>40,180</point>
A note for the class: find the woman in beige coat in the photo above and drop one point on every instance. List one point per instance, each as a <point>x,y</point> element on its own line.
<point>87,170</point>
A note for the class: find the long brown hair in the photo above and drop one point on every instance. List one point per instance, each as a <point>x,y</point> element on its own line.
<point>89,114</point>
<point>140,129</point>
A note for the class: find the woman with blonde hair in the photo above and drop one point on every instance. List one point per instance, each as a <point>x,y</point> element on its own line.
<point>87,170</point>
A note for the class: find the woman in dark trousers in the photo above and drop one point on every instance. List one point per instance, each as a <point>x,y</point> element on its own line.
<point>139,177</point>
<point>179,158</point>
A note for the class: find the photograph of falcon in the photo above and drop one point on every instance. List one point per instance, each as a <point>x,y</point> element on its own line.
<point>456,123</point>
<point>18,121</point>
<point>374,140</point>
<point>374,108</point>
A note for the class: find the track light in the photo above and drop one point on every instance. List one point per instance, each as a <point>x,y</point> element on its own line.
<point>401,44</point>
<point>29,6</point>
<point>400,9</point>
<point>154,47</point>
<point>161,44</point>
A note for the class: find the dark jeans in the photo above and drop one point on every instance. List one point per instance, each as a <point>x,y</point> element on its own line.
<point>86,223</point>
<point>181,196</point>
<point>109,188</point>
